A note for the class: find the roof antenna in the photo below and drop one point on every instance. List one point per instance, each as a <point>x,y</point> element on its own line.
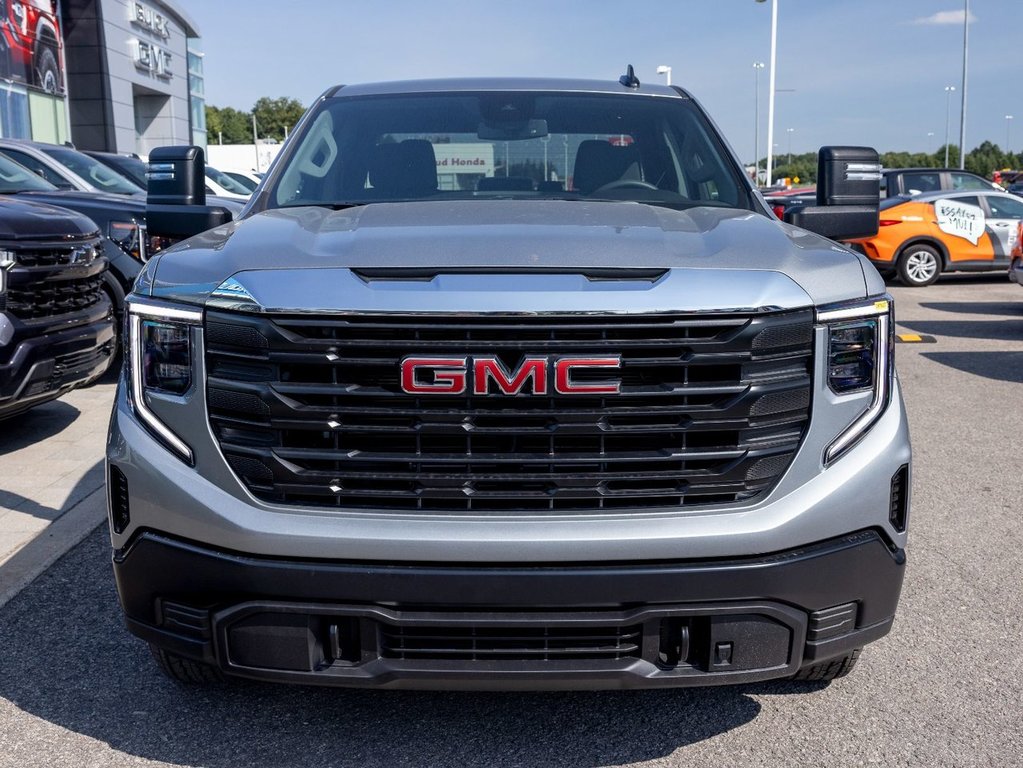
<point>629,79</point>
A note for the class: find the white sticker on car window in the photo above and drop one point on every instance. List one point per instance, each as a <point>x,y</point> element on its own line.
<point>960,219</point>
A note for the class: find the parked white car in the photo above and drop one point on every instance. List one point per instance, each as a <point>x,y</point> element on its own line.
<point>248,179</point>
<point>223,185</point>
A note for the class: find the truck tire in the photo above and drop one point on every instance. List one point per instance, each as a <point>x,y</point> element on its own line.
<point>47,71</point>
<point>182,670</point>
<point>829,670</point>
<point>919,265</point>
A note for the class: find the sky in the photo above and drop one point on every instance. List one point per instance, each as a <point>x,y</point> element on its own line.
<point>867,72</point>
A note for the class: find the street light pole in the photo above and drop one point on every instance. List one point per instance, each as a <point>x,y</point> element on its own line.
<point>1008,122</point>
<point>665,70</point>
<point>255,141</point>
<point>948,113</point>
<point>962,116</point>
<point>789,132</point>
<point>770,95</point>
<point>757,66</point>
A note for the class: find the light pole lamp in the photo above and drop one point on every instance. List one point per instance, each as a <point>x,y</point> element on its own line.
<point>664,69</point>
<point>949,89</point>
<point>757,66</point>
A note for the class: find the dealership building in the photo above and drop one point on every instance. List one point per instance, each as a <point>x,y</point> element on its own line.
<point>129,74</point>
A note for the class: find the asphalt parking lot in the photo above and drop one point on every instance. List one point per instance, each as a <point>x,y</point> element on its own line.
<point>943,689</point>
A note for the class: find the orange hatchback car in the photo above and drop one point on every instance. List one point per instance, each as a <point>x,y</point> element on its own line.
<point>922,236</point>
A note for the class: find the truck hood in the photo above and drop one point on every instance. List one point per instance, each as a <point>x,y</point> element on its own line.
<point>460,256</point>
<point>108,204</point>
<point>22,220</point>
<point>103,204</point>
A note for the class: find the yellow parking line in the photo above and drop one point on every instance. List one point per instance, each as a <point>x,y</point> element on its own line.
<point>915,338</point>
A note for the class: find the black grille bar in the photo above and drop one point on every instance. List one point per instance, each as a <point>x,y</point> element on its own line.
<point>310,411</point>
<point>542,643</point>
<point>52,281</point>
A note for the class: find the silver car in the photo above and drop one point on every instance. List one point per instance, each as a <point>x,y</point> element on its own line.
<point>67,168</point>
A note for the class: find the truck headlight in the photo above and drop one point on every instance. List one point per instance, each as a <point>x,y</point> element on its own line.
<point>852,356</point>
<point>161,347</point>
<point>166,357</point>
<point>6,262</point>
<point>860,359</point>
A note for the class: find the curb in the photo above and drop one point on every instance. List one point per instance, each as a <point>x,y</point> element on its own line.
<point>22,568</point>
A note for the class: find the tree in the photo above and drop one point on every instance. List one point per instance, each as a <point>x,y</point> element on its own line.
<point>987,158</point>
<point>803,167</point>
<point>228,124</point>
<point>273,116</point>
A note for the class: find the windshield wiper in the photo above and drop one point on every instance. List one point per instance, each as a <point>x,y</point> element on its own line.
<point>334,206</point>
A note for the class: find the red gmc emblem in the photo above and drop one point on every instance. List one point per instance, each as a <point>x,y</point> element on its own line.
<point>487,375</point>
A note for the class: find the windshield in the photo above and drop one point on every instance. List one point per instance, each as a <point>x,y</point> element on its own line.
<point>132,167</point>
<point>102,177</point>
<point>512,144</point>
<point>17,178</point>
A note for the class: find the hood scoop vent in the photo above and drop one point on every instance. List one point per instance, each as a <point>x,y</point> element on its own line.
<point>427,274</point>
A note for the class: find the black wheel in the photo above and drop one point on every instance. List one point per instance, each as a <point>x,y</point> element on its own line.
<point>47,72</point>
<point>829,670</point>
<point>919,265</point>
<point>182,670</point>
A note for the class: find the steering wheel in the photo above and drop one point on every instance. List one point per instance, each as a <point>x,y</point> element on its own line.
<point>625,184</point>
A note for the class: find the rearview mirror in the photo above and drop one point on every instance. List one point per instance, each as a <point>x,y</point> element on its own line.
<point>848,194</point>
<point>516,130</point>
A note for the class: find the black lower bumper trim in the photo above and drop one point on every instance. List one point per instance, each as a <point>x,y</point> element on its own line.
<point>507,627</point>
<point>49,359</point>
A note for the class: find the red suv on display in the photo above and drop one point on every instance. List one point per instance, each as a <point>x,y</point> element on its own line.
<point>30,47</point>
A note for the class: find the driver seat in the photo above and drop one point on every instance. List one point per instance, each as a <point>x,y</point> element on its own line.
<point>598,162</point>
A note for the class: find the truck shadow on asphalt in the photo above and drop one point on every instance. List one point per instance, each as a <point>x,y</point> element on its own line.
<point>1001,366</point>
<point>1008,309</point>
<point>91,480</point>
<point>36,425</point>
<point>68,660</point>
<point>991,330</point>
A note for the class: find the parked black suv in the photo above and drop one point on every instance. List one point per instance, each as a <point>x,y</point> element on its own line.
<point>56,327</point>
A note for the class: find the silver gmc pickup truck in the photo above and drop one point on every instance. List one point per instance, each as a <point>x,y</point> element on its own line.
<point>509,384</point>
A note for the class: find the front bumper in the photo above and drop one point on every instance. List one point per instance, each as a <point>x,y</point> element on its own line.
<point>472,626</point>
<point>47,359</point>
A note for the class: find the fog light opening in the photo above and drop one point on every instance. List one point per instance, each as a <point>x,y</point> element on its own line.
<point>343,642</point>
<point>674,645</point>
<point>117,490</point>
<point>899,507</point>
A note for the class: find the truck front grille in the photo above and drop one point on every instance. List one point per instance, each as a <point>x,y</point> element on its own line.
<point>487,643</point>
<point>43,299</point>
<point>53,280</point>
<point>310,411</point>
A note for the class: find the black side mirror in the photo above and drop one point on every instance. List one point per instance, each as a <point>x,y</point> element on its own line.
<point>176,194</point>
<point>848,194</point>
